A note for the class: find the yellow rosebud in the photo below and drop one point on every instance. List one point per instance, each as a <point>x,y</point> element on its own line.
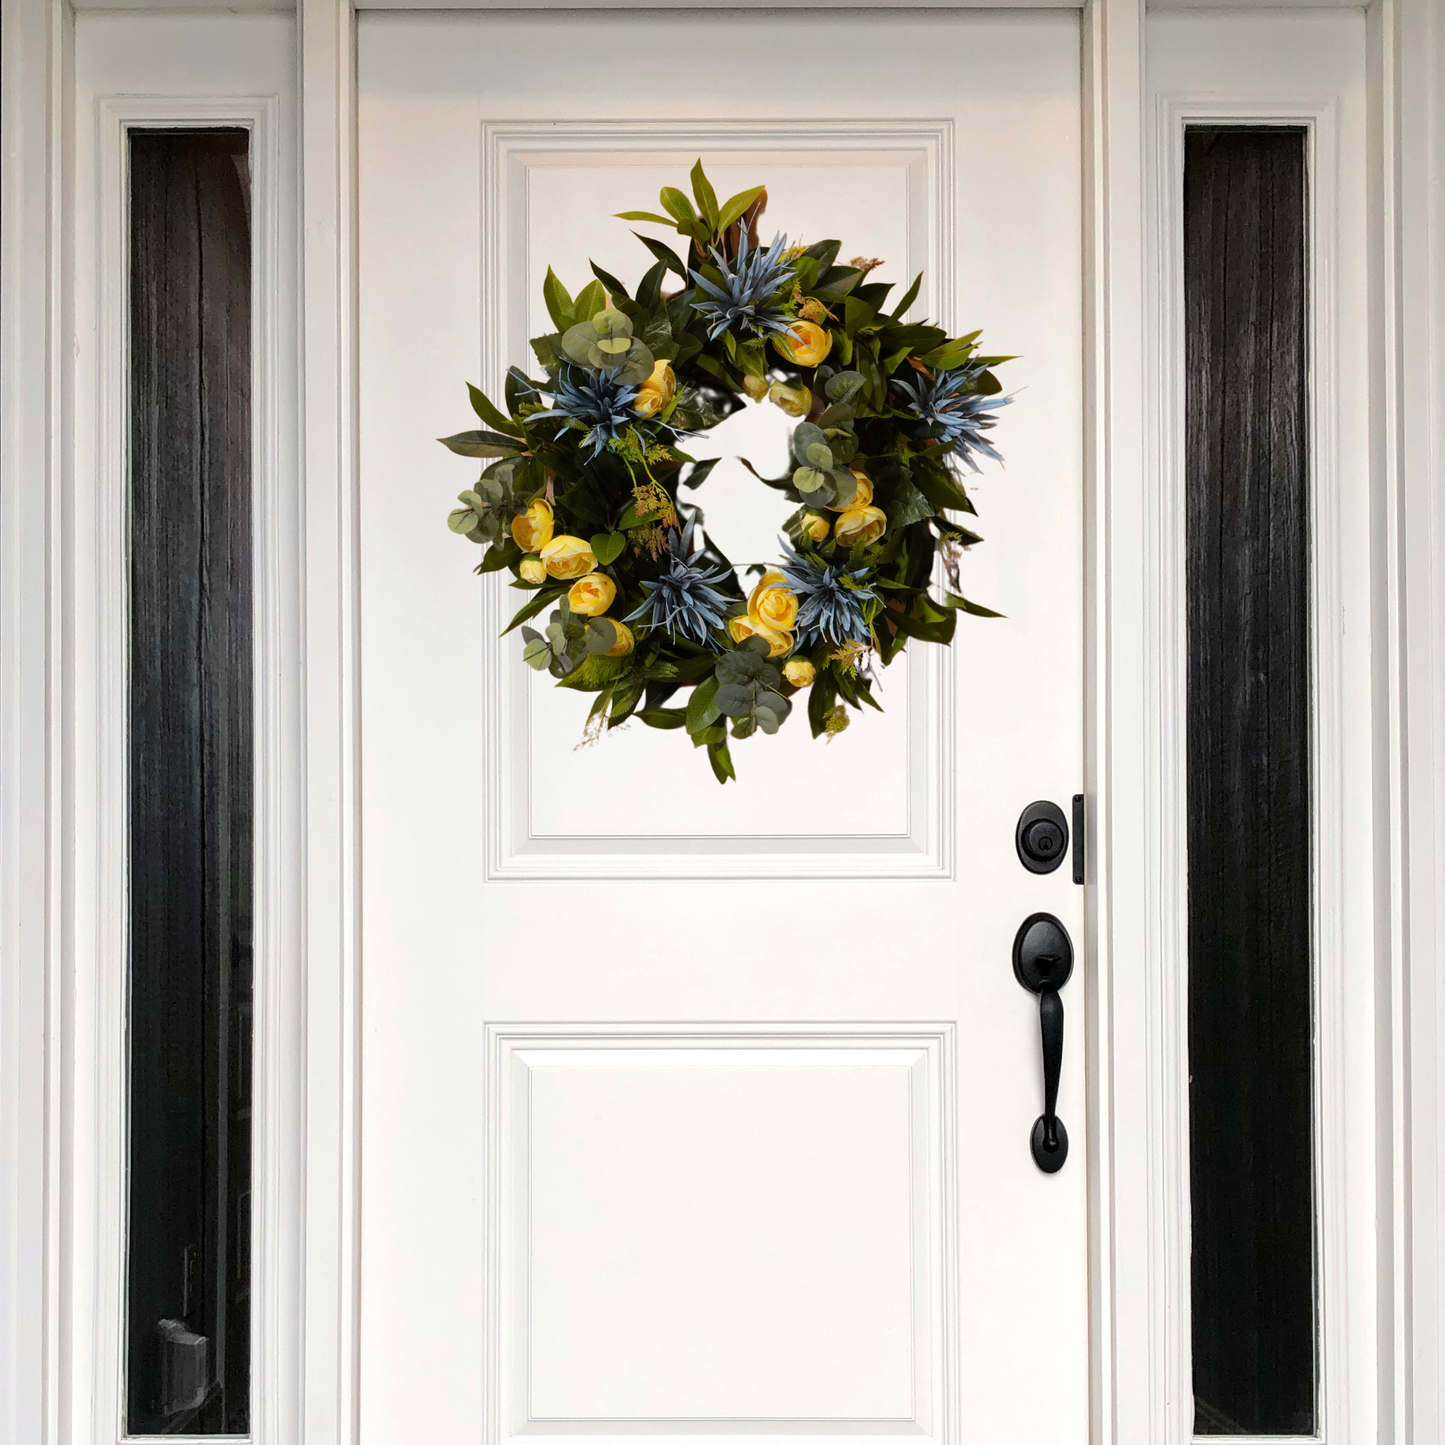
<point>799,671</point>
<point>592,595</point>
<point>532,570</point>
<point>864,493</point>
<point>532,529</point>
<point>568,557</point>
<point>795,400</point>
<point>807,344</point>
<point>756,386</point>
<point>859,524</point>
<point>772,605</point>
<point>780,644</point>
<point>655,393</point>
<point>624,643</point>
<point>815,526</point>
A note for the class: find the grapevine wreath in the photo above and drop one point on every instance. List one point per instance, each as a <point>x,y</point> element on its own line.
<point>580,499</point>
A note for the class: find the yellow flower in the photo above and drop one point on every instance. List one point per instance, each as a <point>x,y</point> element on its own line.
<point>859,524</point>
<point>532,570</point>
<point>532,530</point>
<point>780,644</point>
<point>624,642</point>
<point>807,345</point>
<point>864,493</point>
<point>799,671</point>
<point>592,595</point>
<point>655,393</point>
<point>815,526</point>
<point>795,400</point>
<point>772,605</point>
<point>568,557</point>
<point>756,386</point>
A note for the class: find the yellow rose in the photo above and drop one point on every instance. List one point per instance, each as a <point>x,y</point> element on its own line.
<point>532,530</point>
<point>532,570</point>
<point>655,393</point>
<point>859,524</point>
<point>863,495</point>
<point>799,671</point>
<point>756,386</point>
<point>568,557</point>
<point>795,400</point>
<point>806,345</point>
<point>815,526</point>
<point>780,644</point>
<point>624,642</point>
<point>592,595</point>
<point>772,606</point>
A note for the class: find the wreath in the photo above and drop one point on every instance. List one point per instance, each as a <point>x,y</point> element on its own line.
<point>580,500</point>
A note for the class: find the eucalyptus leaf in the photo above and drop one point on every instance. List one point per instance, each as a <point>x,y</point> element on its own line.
<point>601,636</point>
<point>537,654</point>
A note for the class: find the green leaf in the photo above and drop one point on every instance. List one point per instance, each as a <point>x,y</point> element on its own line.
<point>677,205</point>
<point>736,206</point>
<point>909,297</point>
<point>700,472</point>
<point>559,301</point>
<point>662,717</point>
<point>489,413</point>
<point>665,254</point>
<point>548,350</point>
<point>613,285</point>
<point>601,636</point>
<point>735,699</point>
<point>706,196</point>
<point>483,444</point>
<point>533,606</point>
<point>821,697</point>
<point>649,292</point>
<point>607,547</point>
<point>722,761</point>
<point>590,300</point>
<point>907,504</point>
<point>701,709</point>
<point>974,609</point>
<point>537,654</point>
<point>644,216</point>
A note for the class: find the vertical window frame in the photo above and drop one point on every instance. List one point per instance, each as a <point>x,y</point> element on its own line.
<point>276,1246</point>
<point>1345,1358</point>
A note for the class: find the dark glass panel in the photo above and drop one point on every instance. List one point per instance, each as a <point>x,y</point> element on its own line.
<point>1250,956</point>
<point>191,790</point>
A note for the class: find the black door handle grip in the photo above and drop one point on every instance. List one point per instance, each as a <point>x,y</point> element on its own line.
<point>1043,960</point>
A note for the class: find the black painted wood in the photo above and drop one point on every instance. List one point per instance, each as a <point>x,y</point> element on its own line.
<point>191,790</point>
<point>1250,957</point>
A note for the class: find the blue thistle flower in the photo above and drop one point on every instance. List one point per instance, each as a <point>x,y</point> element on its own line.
<point>684,601</point>
<point>745,299</point>
<point>954,412</point>
<point>597,398</point>
<point>830,600</point>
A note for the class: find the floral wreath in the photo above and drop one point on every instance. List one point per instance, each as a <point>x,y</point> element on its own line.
<point>580,501</point>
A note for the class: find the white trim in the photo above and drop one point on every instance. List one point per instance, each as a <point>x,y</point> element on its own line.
<point>34,51</point>
<point>326,49</point>
<point>1407,45</point>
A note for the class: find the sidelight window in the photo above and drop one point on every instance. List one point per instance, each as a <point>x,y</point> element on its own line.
<point>1251,968</point>
<point>191,793</point>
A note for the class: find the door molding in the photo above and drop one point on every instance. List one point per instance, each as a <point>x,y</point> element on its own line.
<point>1135,1309</point>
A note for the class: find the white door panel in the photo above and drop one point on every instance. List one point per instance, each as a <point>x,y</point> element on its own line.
<point>695,1111</point>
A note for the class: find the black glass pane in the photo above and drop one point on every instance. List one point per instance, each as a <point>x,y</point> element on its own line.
<point>1250,959</point>
<point>189,1179</point>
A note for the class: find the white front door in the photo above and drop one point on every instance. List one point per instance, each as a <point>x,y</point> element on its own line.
<point>696,1111</point>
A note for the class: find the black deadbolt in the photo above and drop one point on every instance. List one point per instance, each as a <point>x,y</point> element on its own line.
<point>1042,837</point>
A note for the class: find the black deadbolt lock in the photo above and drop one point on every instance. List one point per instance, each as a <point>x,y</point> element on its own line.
<point>1042,837</point>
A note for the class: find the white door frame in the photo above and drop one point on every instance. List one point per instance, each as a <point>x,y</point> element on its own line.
<point>1139,1340</point>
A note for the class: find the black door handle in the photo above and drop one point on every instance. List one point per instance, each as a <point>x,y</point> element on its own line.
<point>1043,961</point>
